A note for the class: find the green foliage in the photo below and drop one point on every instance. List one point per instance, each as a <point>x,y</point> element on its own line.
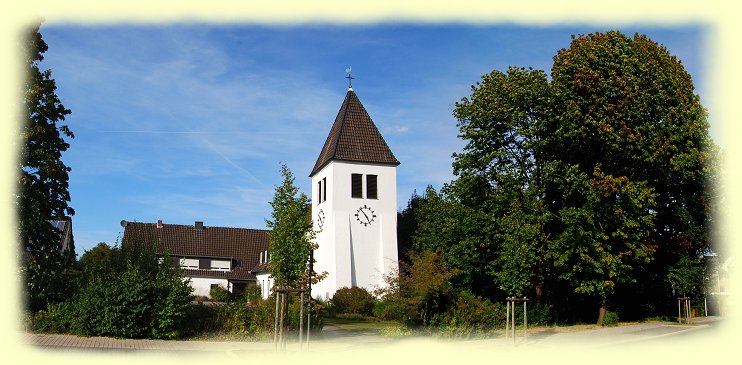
<point>353,316</point>
<point>574,187</point>
<point>42,180</point>
<point>540,314</point>
<point>461,233</point>
<point>610,319</point>
<point>291,233</point>
<point>48,279</point>
<point>627,107</point>
<point>133,296</point>
<point>252,293</point>
<point>220,294</point>
<point>421,289</point>
<point>605,223</point>
<point>686,277</point>
<point>57,318</point>
<point>470,315</point>
<point>353,300</point>
<point>97,258</point>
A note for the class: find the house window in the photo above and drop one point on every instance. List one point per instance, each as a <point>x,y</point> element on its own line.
<point>189,263</point>
<point>220,265</point>
<point>371,187</point>
<point>324,188</point>
<point>356,184</point>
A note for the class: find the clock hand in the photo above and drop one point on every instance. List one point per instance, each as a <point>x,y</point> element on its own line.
<point>365,215</point>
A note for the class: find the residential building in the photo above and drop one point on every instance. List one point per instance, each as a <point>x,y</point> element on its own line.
<point>209,256</point>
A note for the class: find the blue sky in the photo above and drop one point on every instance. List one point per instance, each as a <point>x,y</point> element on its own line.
<point>186,122</point>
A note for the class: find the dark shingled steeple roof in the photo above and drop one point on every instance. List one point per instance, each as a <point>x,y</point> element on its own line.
<point>354,137</point>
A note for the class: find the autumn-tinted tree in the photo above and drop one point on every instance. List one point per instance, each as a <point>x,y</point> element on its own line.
<point>591,184</point>
<point>291,232</point>
<point>627,107</point>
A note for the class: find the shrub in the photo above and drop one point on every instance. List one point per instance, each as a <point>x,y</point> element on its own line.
<point>420,290</point>
<point>353,300</point>
<point>354,316</point>
<point>470,315</point>
<point>253,293</point>
<point>219,293</point>
<point>389,309</point>
<point>135,297</point>
<point>57,318</point>
<point>540,314</point>
<point>610,319</point>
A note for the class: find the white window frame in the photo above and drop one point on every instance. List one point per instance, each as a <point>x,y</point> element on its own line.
<point>218,265</point>
<point>189,263</point>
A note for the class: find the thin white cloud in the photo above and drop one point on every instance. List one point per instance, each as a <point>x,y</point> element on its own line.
<point>397,129</point>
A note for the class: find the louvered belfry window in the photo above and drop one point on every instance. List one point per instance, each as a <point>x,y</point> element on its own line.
<point>356,184</point>
<point>371,192</point>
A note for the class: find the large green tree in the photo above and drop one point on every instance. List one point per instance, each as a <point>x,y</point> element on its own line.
<point>291,235</point>
<point>42,191</point>
<point>627,107</point>
<point>594,182</point>
<point>500,122</point>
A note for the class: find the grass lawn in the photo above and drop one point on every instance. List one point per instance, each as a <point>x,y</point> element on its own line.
<point>367,326</point>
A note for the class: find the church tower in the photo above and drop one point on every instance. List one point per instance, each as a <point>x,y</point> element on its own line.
<point>354,203</point>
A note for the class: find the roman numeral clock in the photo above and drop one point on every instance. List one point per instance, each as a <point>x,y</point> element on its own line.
<point>354,203</point>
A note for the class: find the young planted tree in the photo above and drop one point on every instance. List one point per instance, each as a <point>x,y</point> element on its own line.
<point>291,236</point>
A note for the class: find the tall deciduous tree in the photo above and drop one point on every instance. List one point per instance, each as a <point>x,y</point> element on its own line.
<point>43,178</point>
<point>42,191</point>
<point>593,180</point>
<point>291,235</point>
<point>501,123</point>
<point>627,107</point>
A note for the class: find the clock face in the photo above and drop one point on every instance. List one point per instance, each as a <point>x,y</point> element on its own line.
<point>365,215</point>
<point>320,219</point>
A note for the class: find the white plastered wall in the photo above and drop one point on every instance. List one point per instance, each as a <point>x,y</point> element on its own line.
<point>202,286</point>
<point>351,253</point>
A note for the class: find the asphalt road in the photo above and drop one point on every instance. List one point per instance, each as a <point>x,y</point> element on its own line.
<point>336,344</point>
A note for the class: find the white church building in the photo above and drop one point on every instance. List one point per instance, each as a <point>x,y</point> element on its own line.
<point>354,203</point>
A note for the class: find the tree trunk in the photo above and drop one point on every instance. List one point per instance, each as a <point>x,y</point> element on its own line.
<point>539,291</point>
<point>601,311</point>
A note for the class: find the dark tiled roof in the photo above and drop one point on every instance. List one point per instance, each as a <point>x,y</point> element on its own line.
<point>241,245</point>
<point>260,268</point>
<point>354,137</point>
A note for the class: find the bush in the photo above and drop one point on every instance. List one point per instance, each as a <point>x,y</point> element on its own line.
<point>610,319</point>
<point>57,318</point>
<point>134,297</point>
<point>470,315</point>
<point>353,300</point>
<point>540,314</point>
<point>219,293</point>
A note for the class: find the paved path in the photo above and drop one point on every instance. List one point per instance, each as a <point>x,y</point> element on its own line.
<point>336,341</point>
